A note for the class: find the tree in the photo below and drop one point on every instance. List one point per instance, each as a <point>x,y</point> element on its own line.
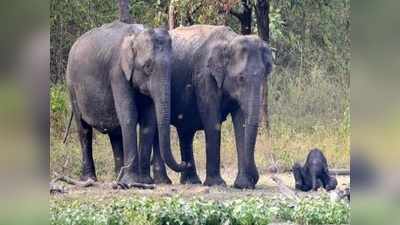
<point>171,16</point>
<point>124,15</point>
<point>262,17</point>
<point>244,17</point>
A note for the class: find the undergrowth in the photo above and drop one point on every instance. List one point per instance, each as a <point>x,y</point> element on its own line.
<point>175,210</point>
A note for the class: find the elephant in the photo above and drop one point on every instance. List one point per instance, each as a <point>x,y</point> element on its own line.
<point>216,72</point>
<point>118,76</point>
<point>314,173</point>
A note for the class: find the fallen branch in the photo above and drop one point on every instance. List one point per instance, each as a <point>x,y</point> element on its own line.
<point>273,167</point>
<point>68,180</point>
<point>56,189</point>
<point>285,190</point>
<point>339,172</point>
<point>121,172</point>
<point>118,185</point>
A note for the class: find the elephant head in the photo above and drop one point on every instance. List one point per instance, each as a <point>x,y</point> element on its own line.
<point>240,67</point>
<point>145,62</point>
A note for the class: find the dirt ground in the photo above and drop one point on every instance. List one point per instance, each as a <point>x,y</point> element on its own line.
<point>265,188</point>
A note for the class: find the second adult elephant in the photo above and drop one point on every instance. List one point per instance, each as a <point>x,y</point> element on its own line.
<point>216,72</point>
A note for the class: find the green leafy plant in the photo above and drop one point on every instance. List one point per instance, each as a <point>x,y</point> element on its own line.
<point>58,108</point>
<point>175,210</point>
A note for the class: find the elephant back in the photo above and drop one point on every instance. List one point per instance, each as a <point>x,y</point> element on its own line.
<point>196,36</point>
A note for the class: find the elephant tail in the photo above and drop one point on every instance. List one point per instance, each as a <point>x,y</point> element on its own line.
<point>68,127</point>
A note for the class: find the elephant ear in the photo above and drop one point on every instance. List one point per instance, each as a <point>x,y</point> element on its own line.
<point>127,56</point>
<point>267,58</point>
<point>217,62</point>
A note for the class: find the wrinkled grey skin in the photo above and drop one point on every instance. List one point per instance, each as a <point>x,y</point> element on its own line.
<point>216,72</point>
<point>118,76</point>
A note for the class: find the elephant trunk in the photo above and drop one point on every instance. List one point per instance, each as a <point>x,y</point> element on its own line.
<point>162,101</point>
<point>251,128</point>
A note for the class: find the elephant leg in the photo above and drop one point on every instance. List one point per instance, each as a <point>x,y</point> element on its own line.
<point>247,173</point>
<point>303,187</point>
<point>212,129</point>
<point>147,130</point>
<point>213,141</point>
<point>117,147</point>
<point>186,145</point>
<point>210,117</point>
<point>126,109</point>
<point>85,132</point>
<point>159,170</point>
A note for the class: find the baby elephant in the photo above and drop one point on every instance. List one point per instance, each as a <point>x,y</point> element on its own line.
<point>314,173</point>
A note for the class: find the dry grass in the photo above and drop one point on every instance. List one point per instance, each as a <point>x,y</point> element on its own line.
<point>286,149</point>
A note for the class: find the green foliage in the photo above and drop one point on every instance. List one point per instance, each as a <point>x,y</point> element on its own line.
<point>58,107</point>
<point>58,101</point>
<point>307,102</point>
<point>313,211</point>
<point>276,23</point>
<point>314,33</point>
<point>250,211</point>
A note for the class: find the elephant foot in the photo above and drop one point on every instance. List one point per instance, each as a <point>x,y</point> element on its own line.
<point>190,178</point>
<point>160,174</point>
<point>162,179</point>
<point>146,179</point>
<point>214,180</point>
<point>88,176</point>
<point>254,175</point>
<point>129,180</point>
<point>244,182</point>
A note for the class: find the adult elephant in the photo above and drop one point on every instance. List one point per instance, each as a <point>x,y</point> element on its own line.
<point>117,75</point>
<point>216,72</point>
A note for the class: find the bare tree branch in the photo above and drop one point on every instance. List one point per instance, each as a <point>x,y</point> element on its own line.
<point>68,180</point>
<point>236,14</point>
<point>245,17</point>
<point>285,190</point>
<point>339,172</point>
<point>189,14</point>
<point>197,8</point>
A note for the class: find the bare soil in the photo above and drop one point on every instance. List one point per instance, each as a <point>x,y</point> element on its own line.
<point>265,188</point>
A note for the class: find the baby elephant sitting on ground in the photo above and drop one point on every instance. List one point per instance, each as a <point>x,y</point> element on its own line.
<point>314,173</point>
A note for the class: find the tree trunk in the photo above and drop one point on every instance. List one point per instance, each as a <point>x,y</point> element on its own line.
<point>171,16</point>
<point>245,23</point>
<point>262,16</point>
<point>244,17</point>
<point>124,15</point>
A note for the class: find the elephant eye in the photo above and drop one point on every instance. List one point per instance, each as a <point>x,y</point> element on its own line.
<point>241,78</point>
<point>147,66</point>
